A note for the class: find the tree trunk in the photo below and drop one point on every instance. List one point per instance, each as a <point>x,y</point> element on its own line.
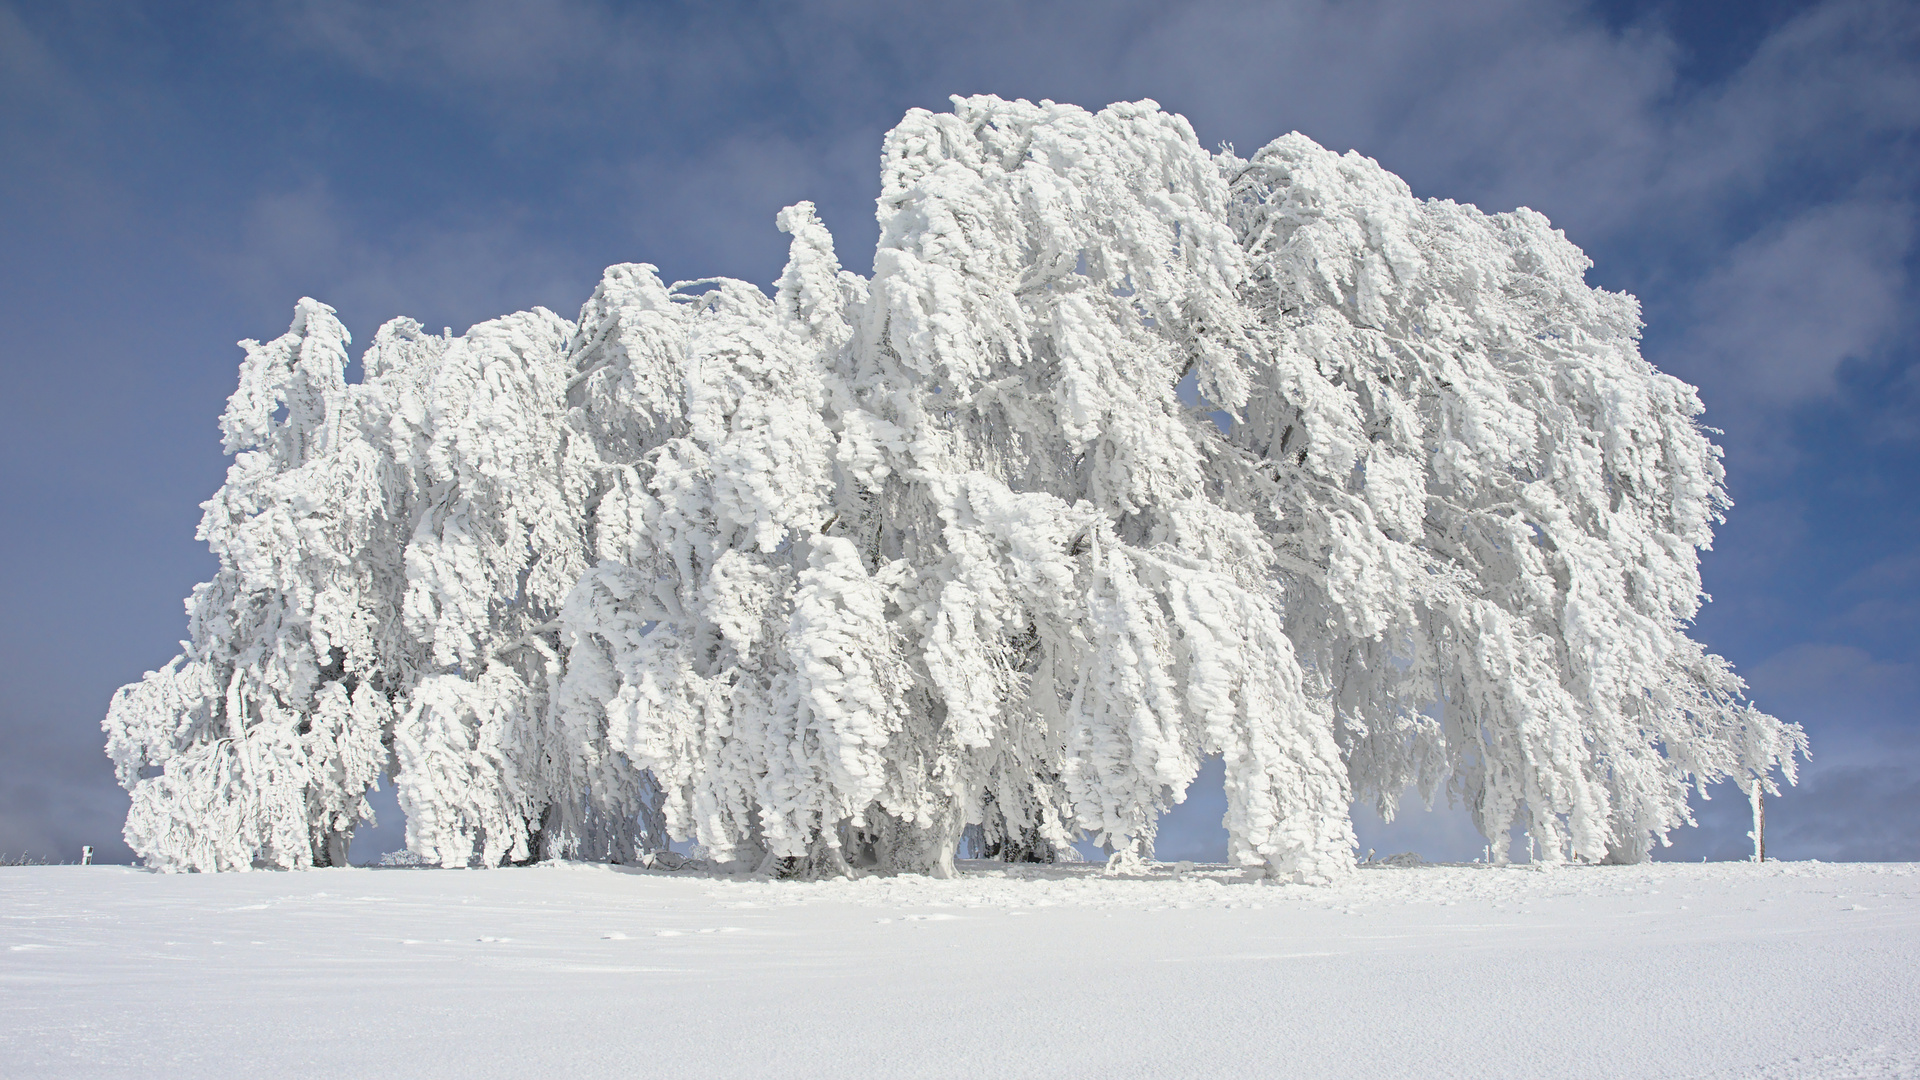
<point>330,845</point>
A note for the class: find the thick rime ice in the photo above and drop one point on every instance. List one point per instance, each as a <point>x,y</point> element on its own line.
<point>1127,454</point>
<point>1488,509</point>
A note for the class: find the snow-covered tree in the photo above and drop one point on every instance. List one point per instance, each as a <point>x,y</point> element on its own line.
<point>1127,454</point>
<point>717,465</point>
<point>498,540</point>
<point>744,658</point>
<point>1090,620</point>
<point>393,555</point>
<point>256,744</point>
<point>1491,509</point>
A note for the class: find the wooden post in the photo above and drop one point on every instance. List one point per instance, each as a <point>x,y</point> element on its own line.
<point>1759,823</point>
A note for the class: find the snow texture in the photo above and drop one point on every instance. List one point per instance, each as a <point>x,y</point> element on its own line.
<point>1729,971</point>
<point>1127,454</point>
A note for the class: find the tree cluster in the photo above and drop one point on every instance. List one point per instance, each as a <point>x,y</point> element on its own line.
<point>1125,455</point>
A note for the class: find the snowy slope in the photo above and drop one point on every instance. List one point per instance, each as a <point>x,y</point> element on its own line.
<point>1661,970</point>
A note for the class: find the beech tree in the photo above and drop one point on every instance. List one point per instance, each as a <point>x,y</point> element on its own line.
<point>1492,508</point>
<point>714,633</point>
<point>1090,622</point>
<point>256,744</point>
<point>1126,454</point>
<point>485,768</point>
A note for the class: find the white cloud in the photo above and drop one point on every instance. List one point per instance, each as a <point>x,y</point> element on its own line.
<point>1886,598</point>
<point>1787,307</point>
<point>487,42</point>
<point>714,208</point>
<point>1498,103</point>
<point>455,272</point>
<point>1835,688</point>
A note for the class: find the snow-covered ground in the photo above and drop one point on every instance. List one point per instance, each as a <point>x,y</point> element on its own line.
<point>1723,970</point>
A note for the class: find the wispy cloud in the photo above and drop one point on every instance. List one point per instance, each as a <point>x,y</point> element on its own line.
<point>1837,689</point>
<point>1882,603</point>
<point>300,242</point>
<point>1786,307</point>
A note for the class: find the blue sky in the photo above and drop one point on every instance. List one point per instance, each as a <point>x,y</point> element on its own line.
<point>174,176</point>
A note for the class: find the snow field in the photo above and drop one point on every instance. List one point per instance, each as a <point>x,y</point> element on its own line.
<point>1659,970</point>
